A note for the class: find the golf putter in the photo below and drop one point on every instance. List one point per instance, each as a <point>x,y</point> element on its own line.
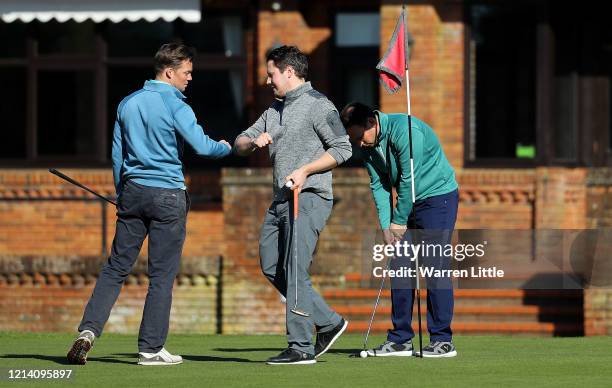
<point>295,309</point>
<point>68,179</point>
<point>363,353</point>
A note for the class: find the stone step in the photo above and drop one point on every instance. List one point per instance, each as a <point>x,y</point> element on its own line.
<point>487,297</point>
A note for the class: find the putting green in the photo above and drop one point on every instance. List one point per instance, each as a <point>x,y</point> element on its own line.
<point>228,361</point>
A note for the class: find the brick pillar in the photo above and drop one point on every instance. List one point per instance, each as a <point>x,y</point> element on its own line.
<point>598,299</point>
<point>560,198</point>
<point>436,70</point>
<point>598,312</point>
<point>309,30</point>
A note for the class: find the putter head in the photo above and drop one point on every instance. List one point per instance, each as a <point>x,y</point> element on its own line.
<point>301,313</point>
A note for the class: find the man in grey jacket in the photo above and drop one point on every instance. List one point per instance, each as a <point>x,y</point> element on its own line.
<point>305,140</point>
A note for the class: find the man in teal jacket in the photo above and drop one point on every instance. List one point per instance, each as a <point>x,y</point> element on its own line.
<point>384,141</point>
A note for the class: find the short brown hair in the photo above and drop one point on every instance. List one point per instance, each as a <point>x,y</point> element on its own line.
<point>172,55</point>
<point>284,56</point>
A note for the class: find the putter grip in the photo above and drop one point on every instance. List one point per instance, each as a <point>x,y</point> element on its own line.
<point>295,204</point>
<point>67,178</point>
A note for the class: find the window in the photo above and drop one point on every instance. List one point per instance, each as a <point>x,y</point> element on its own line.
<point>357,29</point>
<point>12,111</point>
<point>67,79</point>
<point>354,58</point>
<point>502,89</point>
<point>357,40</point>
<point>12,36</point>
<point>216,34</point>
<point>539,84</point>
<point>137,39</point>
<point>217,99</point>
<point>65,113</point>
<point>65,38</point>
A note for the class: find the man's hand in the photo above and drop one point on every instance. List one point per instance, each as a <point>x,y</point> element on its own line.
<point>262,140</point>
<point>398,231</point>
<point>388,237</point>
<point>226,143</point>
<point>298,177</point>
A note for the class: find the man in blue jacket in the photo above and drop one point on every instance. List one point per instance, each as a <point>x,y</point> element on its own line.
<point>151,128</point>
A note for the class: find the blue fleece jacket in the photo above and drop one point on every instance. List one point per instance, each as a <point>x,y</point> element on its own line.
<point>150,130</point>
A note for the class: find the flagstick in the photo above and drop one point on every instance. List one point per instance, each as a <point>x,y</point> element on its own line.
<point>418,285</point>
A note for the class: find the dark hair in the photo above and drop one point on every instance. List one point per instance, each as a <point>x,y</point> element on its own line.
<point>284,56</point>
<point>172,55</point>
<point>356,113</point>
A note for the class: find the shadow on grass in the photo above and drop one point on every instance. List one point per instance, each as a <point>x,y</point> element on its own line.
<point>61,360</point>
<point>204,358</point>
<point>236,350</point>
<point>198,357</point>
<point>56,359</point>
<point>344,351</point>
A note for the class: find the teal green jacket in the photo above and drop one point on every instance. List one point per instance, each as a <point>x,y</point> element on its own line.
<point>433,173</point>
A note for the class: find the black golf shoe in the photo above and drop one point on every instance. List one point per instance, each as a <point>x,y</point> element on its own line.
<point>327,339</point>
<point>291,357</point>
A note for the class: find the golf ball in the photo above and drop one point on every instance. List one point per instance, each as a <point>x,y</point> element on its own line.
<point>363,354</point>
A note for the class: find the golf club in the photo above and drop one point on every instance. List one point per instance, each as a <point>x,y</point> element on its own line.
<point>364,351</point>
<point>418,296</point>
<point>68,179</point>
<point>295,310</point>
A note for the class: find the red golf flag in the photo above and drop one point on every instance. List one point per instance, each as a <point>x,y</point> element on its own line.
<point>392,66</point>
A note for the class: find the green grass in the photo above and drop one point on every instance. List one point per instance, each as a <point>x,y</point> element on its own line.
<point>228,361</point>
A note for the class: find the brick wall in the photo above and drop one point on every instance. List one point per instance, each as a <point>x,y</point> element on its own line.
<point>49,293</point>
<point>489,199</point>
<point>41,214</point>
<point>47,303</point>
<point>50,254</point>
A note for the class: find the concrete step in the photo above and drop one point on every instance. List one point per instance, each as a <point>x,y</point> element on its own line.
<point>357,296</point>
<point>508,281</point>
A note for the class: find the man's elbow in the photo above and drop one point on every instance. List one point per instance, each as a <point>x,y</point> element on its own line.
<point>340,154</point>
<point>207,150</point>
<point>242,146</point>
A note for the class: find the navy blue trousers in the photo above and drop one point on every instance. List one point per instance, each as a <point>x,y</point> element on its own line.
<point>160,214</point>
<point>432,220</point>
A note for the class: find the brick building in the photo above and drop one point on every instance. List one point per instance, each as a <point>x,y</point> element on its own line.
<point>519,94</point>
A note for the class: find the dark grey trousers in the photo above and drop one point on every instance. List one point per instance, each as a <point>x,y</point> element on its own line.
<point>278,265</point>
<point>161,214</point>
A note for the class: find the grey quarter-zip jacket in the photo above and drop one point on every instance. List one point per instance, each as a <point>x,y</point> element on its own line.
<point>303,126</point>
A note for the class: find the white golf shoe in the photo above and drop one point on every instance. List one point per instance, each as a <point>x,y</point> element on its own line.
<point>163,357</point>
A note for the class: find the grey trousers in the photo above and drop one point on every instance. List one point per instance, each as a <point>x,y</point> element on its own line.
<point>278,265</point>
<point>161,214</point>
